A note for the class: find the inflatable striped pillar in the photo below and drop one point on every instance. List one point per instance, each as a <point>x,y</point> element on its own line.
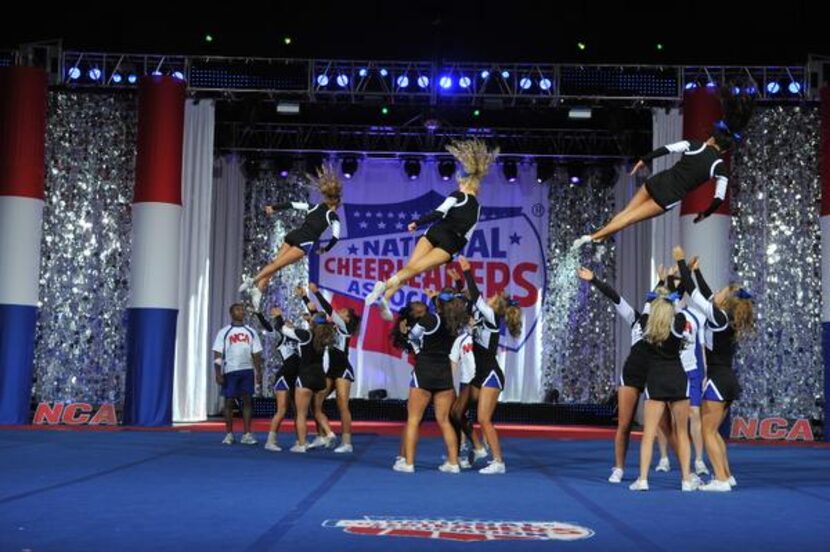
<point>154,265</point>
<point>825,249</point>
<point>22,143</point>
<point>708,239</point>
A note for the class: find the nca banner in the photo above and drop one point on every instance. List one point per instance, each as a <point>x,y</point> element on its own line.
<point>506,251</point>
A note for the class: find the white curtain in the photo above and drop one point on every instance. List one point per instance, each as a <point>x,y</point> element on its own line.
<point>189,383</point>
<point>667,127</point>
<point>226,248</point>
<point>634,246</point>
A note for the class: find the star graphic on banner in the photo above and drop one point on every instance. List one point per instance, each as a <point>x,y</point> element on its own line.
<point>382,225</point>
<point>401,215</point>
<point>356,214</point>
<point>416,215</point>
<point>364,225</point>
<point>390,215</point>
<point>379,214</point>
<point>515,238</point>
<point>399,226</point>
<point>352,249</point>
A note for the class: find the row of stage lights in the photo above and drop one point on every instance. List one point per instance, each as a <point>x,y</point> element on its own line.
<point>445,82</point>
<point>773,87</point>
<point>412,166</point>
<point>95,74</point>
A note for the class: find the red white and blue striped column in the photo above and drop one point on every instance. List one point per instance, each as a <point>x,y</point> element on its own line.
<point>825,250</point>
<point>708,239</point>
<point>154,265</point>
<point>22,143</point>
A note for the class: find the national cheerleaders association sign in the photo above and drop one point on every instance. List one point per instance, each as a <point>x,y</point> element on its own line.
<point>506,253</point>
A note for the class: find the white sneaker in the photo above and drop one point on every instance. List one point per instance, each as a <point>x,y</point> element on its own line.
<point>731,481</point>
<point>247,282</point>
<point>319,441</point>
<point>248,439</point>
<point>700,468</point>
<point>663,465</point>
<point>399,459</point>
<point>298,448</point>
<point>616,475</point>
<point>579,242</point>
<point>494,468</point>
<point>385,311</point>
<point>639,485</point>
<point>377,291</point>
<point>446,467</point>
<point>256,297</point>
<point>228,440</point>
<point>344,449</point>
<point>692,484</point>
<point>273,447</point>
<point>404,467</point>
<point>716,486</point>
<point>479,454</point>
<point>464,463</point>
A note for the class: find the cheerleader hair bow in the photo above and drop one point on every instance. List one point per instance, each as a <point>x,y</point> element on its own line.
<point>721,125</point>
<point>741,293</point>
<point>512,302</point>
<point>447,296</point>
<point>320,318</point>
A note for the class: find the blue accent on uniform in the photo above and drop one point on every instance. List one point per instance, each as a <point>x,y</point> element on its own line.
<point>238,383</point>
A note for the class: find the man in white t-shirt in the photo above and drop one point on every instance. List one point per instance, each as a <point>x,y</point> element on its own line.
<point>237,358</point>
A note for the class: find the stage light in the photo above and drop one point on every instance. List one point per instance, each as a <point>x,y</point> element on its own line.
<point>582,46</point>
<point>505,74</point>
<point>178,75</point>
<point>525,83</point>
<point>363,72</point>
<point>659,47</point>
<point>403,81</point>
<point>544,170</point>
<point>751,90</point>
<point>384,110</point>
<point>510,169</point>
<point>464,82</point>
<point>446,168</point>
<point>117,78</point>
<point>74,73</point>
<point>794,87</point>
<point>576,173</point>
<point>287,41</point>
<point>773,87</point>
<point>156,73</point>
<point>423,81</point>
<point>691,85</point>
<point>349,166</point>
<point>132,78</point>
<point>342,80</point>
<point>711,84</point>
<point>208,38</point>
<point>94,74</point>
<point>283,165</point>
<point>445,82</point>
<point>485,74</point>
<point>736,90</point>
<point>412,168</point>
<point>476,112</point>
<point>383,72</point>
<point>322,80</point>
<point>545,84</point>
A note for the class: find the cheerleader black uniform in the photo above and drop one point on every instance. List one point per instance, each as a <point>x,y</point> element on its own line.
<point>339,365</point>
<point>700,162</point>
<point>722,384</point>
<point>310,373</point>
<point>665,377</point>
<point>317,219</point>
<point>289,354</point>
<point>456,219</point>
<point>431,343</point>
<point>485,339</point>
<point>636,363</point>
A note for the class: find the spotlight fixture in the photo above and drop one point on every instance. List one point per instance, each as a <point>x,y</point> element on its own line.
<point>412,168</point>
<point>446,168</point>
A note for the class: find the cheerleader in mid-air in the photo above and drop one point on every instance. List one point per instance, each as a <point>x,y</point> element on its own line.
<point>729,318</point>
<point>454,221</point>
<point>300,242</point>
<point>488,382</point>
<point>700,162</point>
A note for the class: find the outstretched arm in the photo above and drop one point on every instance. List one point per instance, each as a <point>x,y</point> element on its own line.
<point>439,212</point>
<point>721,183</point>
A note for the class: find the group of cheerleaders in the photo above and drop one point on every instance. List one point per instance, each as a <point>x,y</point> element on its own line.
<point>680,353</point>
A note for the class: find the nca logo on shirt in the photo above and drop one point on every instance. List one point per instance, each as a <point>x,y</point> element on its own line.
<point>241,337</point>
<point>461,530</point>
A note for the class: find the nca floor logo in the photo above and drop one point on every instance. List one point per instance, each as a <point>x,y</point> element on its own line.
<point>461,529</point>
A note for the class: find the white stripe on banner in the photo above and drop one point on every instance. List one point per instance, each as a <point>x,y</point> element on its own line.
<point>825,268</point>
<point>154,267</point>
<point>709,240</point>
<point>21,221</point>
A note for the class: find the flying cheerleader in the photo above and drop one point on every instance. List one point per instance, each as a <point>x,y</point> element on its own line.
<point>300,242</point>
<point>454,221</point>
<point>700,162</point>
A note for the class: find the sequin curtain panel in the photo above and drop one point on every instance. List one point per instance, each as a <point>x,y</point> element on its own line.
<point>777,255</point>
<point>194,361</point>
<point>90,174</point>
